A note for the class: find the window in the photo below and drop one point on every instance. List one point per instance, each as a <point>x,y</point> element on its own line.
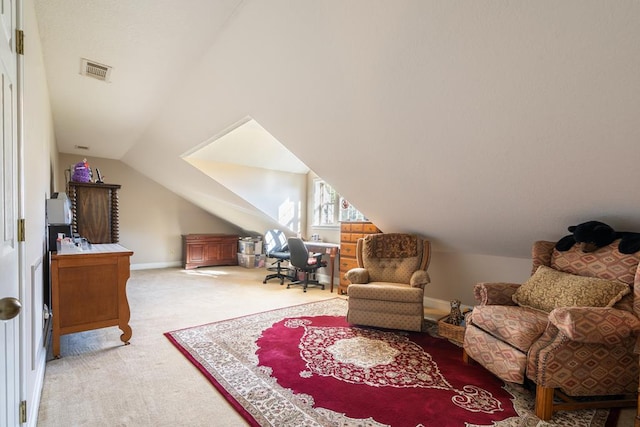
<point>329,207</point>
<point>325,203</point>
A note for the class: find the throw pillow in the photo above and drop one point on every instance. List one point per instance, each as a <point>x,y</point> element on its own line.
<point>547,289</point>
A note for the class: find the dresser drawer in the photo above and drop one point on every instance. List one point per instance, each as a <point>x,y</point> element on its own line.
<point>370,229</point>
<point>348,250</point>
<point>349,237</point>
<point>353,237</point>
<point>357,227</point>
<point>350,232</point>
<point>347,264</point>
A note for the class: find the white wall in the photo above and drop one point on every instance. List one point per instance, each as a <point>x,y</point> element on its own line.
<point>152,218</point>
<point>483,126</point>
<point>280,195</point>
<point>453,274</point>
<point>39,147</point>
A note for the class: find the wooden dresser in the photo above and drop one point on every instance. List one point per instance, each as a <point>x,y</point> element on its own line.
<point>200,250</point>
<point>350,232</point>
<point>89,291</point>
<point>95,211</point>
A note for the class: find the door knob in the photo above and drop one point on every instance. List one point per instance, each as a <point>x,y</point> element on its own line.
<point>9,308</point>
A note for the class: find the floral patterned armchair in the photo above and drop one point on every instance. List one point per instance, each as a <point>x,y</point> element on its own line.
<point>387,287</point>
<point>572,328</point>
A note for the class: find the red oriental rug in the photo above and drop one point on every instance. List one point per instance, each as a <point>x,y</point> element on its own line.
<point>305,366</point>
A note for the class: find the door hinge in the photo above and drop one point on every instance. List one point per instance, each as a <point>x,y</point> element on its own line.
<point>20,42</point>
<point>21,237</point>
<point>23,412</point>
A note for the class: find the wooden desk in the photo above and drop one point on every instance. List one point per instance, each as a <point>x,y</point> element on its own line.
<point>88,291</point>
<point>332,249</point>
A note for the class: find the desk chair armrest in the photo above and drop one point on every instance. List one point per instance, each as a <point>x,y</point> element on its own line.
<point>315,259</point>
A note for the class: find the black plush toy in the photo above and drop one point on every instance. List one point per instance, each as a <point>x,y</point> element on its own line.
<point>592,235</point>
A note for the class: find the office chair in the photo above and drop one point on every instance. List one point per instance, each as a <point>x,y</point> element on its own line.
<point>275,242</point>
<point>305,262</point>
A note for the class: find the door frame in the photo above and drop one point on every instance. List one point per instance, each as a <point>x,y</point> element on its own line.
<point>15,346</point>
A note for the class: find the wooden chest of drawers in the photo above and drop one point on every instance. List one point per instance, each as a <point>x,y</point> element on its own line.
<point>350,232</point>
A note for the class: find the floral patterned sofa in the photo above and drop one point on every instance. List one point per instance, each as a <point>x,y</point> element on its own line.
<point>572,328</point>
<point>386,290</point>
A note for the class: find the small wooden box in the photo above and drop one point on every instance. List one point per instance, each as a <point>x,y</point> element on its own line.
<point>454,333</point>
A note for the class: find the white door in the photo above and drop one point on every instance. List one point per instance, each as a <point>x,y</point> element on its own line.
<point>9,262</point>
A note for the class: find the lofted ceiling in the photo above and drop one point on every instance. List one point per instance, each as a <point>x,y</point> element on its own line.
<point>249,144</point>
<point>483,125</point>
<point>150,45</point>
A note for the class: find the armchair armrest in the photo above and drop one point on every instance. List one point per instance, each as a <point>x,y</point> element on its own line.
<point>419,279</point>
<point>357,275</point>
<point>598,325</point>
<point>498,293</point>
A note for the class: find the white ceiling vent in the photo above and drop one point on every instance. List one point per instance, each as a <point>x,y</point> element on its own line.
<point>95,70</point>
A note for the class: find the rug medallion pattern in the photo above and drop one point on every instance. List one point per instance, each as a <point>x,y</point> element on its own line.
<point>303,366</point>
<point>380,359</point>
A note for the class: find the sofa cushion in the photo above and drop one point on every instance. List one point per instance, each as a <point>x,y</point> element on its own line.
<point>547,289</point>
<point>517,326</point>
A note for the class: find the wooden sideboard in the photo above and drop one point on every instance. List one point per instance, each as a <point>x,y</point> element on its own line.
<point>350,232</point>
<point>95,211</point>
<point>201,250</point>
<point>88,291</point>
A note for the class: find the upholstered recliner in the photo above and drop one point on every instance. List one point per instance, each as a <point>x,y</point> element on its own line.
<point>571,329</point>
<point>386,290</point>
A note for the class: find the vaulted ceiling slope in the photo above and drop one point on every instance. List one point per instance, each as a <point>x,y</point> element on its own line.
<point>484,125</point>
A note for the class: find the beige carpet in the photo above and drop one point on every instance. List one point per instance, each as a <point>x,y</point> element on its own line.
<point>100,382</point>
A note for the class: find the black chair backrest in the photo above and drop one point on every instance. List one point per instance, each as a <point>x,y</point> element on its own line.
<point>299,252</point>
<point>275,241</point>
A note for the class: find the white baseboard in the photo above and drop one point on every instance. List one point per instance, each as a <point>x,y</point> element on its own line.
<point>435,309</point>
<point>153,265</point>
<point>324,278</point>
<point>442,305</point>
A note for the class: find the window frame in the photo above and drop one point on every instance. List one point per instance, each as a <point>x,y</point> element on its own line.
<point>341,210</point>
<point>322,195</point>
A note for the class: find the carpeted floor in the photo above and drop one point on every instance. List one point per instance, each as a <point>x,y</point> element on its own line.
<point>100,382</point>
<point>304,365</point>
